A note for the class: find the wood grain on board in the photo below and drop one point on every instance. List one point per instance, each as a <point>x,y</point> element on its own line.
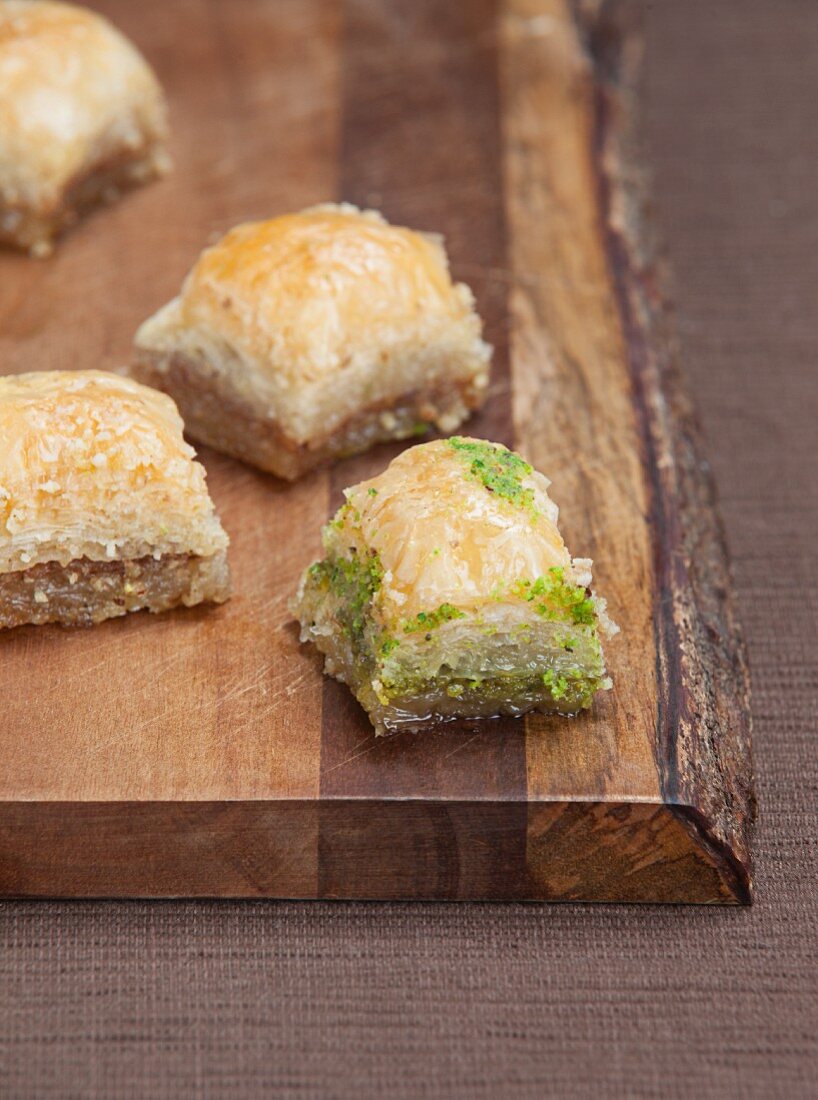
<point>202,752</point>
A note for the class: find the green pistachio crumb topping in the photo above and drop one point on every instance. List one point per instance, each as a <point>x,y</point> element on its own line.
<point>556,598</point>
<point>354,582</point>
<point>428,620</point>
<point>372,491</point>
<point>557,685</point>
<point>345,512</point>
<point>571,681</point>
<point>499,470</point>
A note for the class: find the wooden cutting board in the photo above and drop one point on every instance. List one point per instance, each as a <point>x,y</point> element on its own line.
<point>202,752</point>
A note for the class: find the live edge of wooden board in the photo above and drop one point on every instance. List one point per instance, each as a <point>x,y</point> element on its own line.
<point>202,753</point>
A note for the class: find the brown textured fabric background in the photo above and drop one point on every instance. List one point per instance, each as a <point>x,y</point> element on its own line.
<point>176,1000</point>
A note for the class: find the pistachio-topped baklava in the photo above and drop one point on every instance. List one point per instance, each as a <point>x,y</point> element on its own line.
<point>447,591</point>
<point>314,335</point>
<point>102,507</point>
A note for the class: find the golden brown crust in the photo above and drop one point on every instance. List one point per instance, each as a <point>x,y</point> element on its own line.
<point>93,465</point>
<point>81,115</point>
<point>442,537</point>
<point>308,293</point>
<point>314,321</point>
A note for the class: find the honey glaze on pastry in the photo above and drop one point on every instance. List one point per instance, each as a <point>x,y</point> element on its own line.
<point>82,117</point>
<point>315,335</point>
<point>102,508</point>
<point>447,591</point>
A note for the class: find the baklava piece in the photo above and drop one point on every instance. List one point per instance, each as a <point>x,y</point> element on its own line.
<point>447,592</point>
<point>102,508</point>
<point>315,335</point>
<point>82,118</point>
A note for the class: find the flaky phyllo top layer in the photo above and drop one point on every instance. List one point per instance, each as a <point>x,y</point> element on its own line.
<point>93,465</point>
<point>456,530</point>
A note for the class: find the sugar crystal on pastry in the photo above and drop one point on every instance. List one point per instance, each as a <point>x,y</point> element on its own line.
<point>103,509</point>
<point>315,335</point>
<point>446,591</point>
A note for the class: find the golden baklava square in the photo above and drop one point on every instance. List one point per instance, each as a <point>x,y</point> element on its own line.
<point>103,509</point>
<point>315,335</point>
<point>446,591</point>
<point>82,117</point>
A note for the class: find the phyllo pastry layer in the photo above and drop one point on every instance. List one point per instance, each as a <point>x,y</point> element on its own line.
<point>315,335</point>
<point>447,591</point>
<point>81,118</point>
<point>102,507</point>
